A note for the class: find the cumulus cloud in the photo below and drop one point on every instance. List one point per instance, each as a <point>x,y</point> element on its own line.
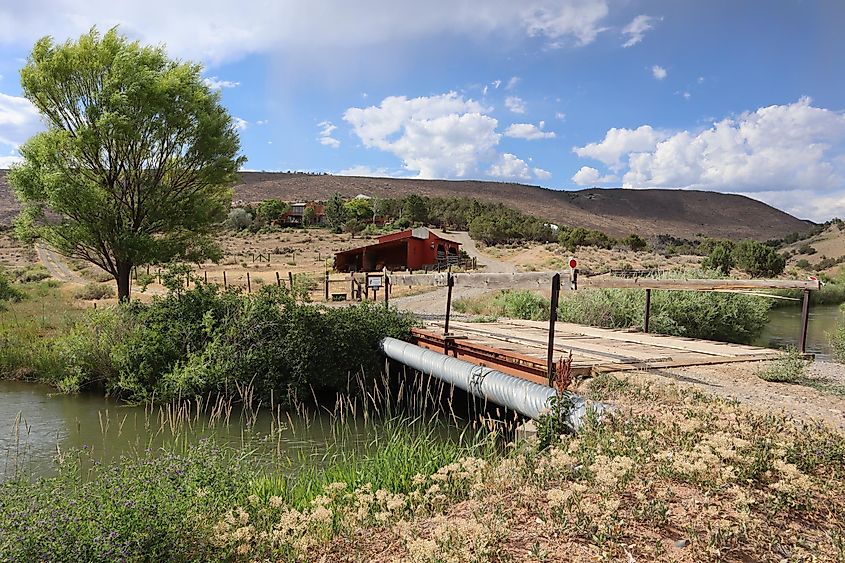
<point>510,166</point>
<point>791,156</point>
<point>217,84</point>
<point>541,174</point>
<point>436,136</point>
<point>224,30</point>
<point>512,82</point>
<point>441,136</point>
<point>621,142</point>
<point>325,134</point>
<point>240,124</point>
<point>659,72</point>
<point>528,131</point>
<point>515,104</point>
<point>588,176</point>
<point>19,120</point>
<point>636,30</point>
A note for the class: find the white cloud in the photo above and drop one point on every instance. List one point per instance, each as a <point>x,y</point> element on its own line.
<point>686,95</point>
<point>528,131</point>
<point>589,176</point>
<point>496,84</point>
<point>221,30</point>
<point>560,115</point>
<point>240,124</point>
<point>621,142</point>
<point>262,122</point>
<point>441,136</point>
<point>8,161</point>
<point>509,166</point>
<point>325,135</point>
<point>512,82</point>
<point>217,84</point>
<point>541,174</point>
<point>19,120</point>
<point>791,156</point>
<point>515,104</point>
<point>659,72</point>
<point>436,136</point>
<point>557,21</point>
<point>364,170</point>
<point>635,31</point>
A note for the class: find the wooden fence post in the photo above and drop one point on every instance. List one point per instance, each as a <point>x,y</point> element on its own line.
<point>205,275</point>
<point>278,280</point>
<point>805,321</point>
<point>290,279</point>
<point>386,288</point>
<point>550,355</point>
<point>327,285</point>
<point>225,285</point>
<point>248,284</point>
<point>647,310</point>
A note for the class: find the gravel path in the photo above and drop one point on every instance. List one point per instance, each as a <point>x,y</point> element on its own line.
<point>739,381</point>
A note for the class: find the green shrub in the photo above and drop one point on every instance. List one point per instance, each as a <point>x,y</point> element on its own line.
<point>720,259</point>
<point>635,242</point>
<point>206,339</point>
<point>8,292</point>
<point>522,305</point>
<point>94,291</point>
<point>837,341</point>
<point>791,368</point>
<point>712,316</point>
<point>758,260</point>
<point>156,508</point>
<point>32,274</point>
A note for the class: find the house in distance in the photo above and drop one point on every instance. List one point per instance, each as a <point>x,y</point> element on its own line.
<point>412,249</point>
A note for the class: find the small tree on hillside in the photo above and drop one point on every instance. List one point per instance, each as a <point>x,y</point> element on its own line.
<point>415,209</point>
<point>635,242</point>
<point>758,260</point>
<point>720,259</point>
<point>309,217</point>
<point>137,159</point>
<point>335,212</point>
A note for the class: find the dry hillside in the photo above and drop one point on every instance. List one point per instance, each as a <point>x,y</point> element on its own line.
<point>685,214</point>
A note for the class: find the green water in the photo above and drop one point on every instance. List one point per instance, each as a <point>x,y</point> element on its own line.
<point>36,424</point>
<point>784,328</point>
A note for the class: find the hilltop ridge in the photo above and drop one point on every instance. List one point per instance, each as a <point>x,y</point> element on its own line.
<point>618,212</point>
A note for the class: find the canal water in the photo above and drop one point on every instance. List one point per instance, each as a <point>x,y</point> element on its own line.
<point>784,328</point>
<point>37,423</point>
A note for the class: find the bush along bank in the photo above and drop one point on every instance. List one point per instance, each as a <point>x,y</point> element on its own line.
<point>205,339</point>
<point>723,317</point>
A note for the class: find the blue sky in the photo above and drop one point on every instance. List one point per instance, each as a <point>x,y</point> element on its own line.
<point>742,97</point>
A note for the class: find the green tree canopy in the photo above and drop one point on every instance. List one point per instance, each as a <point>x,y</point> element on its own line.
<point>137,158</point>
<point>758,260</point>
<point>336,212</point>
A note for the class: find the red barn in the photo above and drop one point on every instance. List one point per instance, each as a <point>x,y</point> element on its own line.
<point>412,250</point>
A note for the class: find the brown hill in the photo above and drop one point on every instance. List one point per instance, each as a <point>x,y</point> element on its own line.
<point>681,213</point>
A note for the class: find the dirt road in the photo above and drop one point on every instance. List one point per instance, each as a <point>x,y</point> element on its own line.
<point>56,266</point>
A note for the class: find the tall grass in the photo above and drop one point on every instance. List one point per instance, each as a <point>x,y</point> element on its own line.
<point>162,503</point>
<point>728,317</point>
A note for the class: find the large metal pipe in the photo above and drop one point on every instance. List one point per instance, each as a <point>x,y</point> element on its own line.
<point>525,397</point>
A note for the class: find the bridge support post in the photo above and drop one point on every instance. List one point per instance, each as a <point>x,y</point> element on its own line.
<point>805,321</point>
<point>550,356</point>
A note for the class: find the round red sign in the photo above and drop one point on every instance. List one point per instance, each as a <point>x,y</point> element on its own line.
<point>573,263</point>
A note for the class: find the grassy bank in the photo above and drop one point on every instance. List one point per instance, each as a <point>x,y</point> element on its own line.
<point>713,316</point>
<point>671,475</point>
<point>192,342</point>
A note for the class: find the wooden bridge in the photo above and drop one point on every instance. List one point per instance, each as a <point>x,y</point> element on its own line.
<point>533,350</point>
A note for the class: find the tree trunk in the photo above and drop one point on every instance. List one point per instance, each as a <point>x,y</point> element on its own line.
<point>124,269</point>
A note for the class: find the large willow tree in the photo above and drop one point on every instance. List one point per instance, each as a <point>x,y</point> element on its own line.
<point>137,159</point>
